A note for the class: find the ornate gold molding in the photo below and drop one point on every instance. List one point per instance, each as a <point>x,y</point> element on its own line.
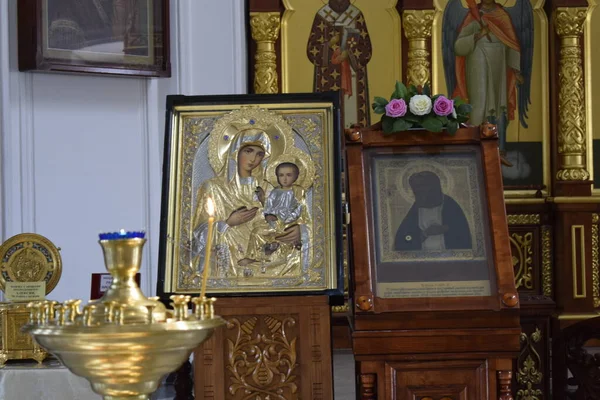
<point>571,101</point>
<point>523,219</point>
<point>341,309</point>
<point>508,200</point>
<point>578,265</point>
<point>523,260</point>
<point>417,29</point>
<point>574,200</point>
<point>265,31</point>
<point>571,317</point>
<point>547,260</point>
<point>595,261</point>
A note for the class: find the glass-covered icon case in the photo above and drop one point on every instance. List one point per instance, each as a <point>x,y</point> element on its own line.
<point>431,214</point>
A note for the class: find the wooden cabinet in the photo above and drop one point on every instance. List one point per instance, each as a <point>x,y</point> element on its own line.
<point>423,380</point>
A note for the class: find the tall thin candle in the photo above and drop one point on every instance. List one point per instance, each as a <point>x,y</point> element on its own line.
<point>210,207</point>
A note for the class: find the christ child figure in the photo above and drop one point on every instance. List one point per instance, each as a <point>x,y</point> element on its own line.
<point>283,208</point>
<point>284,205</point>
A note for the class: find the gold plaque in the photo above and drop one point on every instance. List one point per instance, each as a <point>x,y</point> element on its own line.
<point>25,258</point>
<point>29,257</point>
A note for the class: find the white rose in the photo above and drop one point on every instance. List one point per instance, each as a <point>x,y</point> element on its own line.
<point>420,104</point>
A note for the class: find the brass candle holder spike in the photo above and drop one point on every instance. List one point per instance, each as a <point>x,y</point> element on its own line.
<point>124,343</point>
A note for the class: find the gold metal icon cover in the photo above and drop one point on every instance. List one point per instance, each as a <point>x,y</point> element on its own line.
<point>29,257</point>
<point>270,166</point>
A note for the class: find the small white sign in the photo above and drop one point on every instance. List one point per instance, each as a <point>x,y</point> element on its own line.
<point>25,291</point>
<point>105,282</point>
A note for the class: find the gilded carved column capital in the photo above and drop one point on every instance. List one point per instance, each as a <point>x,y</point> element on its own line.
<point>417,23</point>
<point>571,98</point>
<point>265,26</point>
<point>417,26</point>
<point>569,21</point>
<point>265,32</point>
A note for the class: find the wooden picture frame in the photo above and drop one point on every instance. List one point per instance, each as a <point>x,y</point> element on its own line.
<point>428,279</point>
<point>94,37</point>
<point>207,138</point>
<point>450,245</point>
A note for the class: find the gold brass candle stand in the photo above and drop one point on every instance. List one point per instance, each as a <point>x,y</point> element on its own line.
<point>123,343</point>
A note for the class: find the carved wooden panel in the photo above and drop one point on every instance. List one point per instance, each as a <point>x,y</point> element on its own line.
<point>522,246</point>
<point>531,377</point>
<point>531,249</point>
<point>262,356</point>
<point>437,380</point>
<point>271,348</point>
<point>531,235</point>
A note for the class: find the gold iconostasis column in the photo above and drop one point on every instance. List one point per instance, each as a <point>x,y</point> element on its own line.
<point>417,29</point>
<point>265,31</point>
<point>571,101</point>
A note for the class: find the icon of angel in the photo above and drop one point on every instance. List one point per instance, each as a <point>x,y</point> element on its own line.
<point>488,55</point>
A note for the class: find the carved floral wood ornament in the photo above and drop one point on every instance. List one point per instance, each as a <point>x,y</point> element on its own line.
<point>529,373</point>
<point>274,348</point>
<point>262,364</point>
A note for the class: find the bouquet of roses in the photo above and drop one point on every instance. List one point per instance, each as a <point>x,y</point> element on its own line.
<point>414,106</point>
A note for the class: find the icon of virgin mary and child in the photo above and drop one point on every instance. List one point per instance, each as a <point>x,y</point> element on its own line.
<point>262,223</point>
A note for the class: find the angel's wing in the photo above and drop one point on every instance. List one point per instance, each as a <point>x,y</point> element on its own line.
<point>522,18</point>
<point>454,15</point>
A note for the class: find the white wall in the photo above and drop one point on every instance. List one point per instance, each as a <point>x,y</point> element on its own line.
<point>82,154</point>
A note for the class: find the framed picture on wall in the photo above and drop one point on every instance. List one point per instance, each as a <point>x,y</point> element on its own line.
<point>251,195</point>
<point>119,37</point>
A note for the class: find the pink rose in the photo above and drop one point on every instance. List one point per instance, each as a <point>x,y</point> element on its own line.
<point>443,106</point>
<point>395,108</point>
